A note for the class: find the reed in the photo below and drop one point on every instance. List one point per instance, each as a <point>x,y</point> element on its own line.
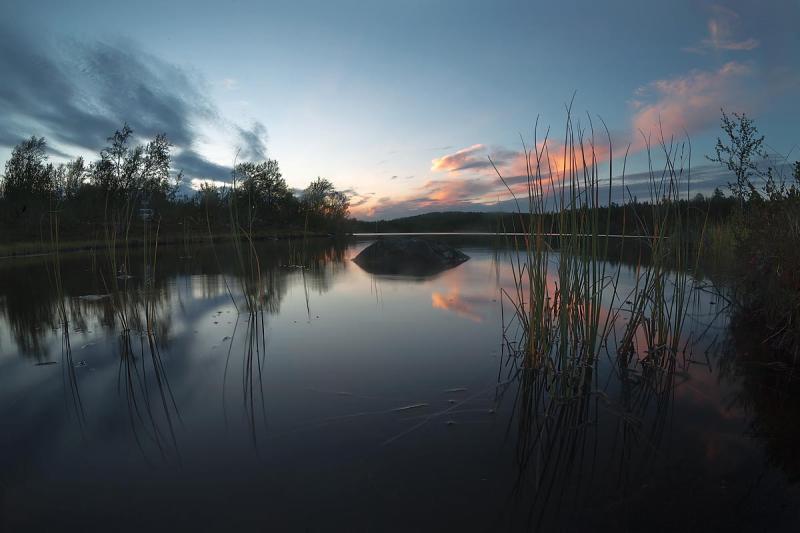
<point>559,270</point>
<point>72,393</point>
<point>566,299</point>
<point>657,307</point>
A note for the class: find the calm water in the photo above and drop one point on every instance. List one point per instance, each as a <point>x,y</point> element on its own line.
<point>355,402</point>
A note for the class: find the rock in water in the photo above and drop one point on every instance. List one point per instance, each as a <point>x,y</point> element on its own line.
<point>408,256</point>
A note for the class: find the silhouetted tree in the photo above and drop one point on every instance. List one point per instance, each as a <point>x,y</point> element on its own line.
<point>321,202</point>
<point>103,198</point>
<point>28,175</point>
<point>739,152</point>
<point>264,185</point>
<point>70,178</point>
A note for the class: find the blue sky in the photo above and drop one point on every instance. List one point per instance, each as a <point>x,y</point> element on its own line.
<point>399,102</point>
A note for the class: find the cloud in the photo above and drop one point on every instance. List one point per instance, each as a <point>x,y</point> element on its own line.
<point>195,165</point>
<point>469,181</point>
<point>689,103</point>
<point>76,94</point>
<point>462,159</point>
<point>474,157</point>
<point>195,183</point>
<point>438,194</point>
<point>720,33</point>
<point>254,142</point>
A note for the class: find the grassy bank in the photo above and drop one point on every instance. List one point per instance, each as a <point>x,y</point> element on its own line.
<point>27,248</point>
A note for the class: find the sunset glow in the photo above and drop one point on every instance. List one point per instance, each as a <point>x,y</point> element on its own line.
<point>400,133</point>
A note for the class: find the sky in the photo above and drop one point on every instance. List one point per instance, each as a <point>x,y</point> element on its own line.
<point>399,103</point>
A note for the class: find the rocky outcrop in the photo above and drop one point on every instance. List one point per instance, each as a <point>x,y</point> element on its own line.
<point>408,256</point>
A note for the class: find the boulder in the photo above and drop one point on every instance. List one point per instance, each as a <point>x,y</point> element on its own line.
<point>408,256</point>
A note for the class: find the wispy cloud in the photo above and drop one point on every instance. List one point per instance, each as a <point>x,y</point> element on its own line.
<point>253,141</point>
<point>78,93</point>
<point>467,180</point>
<point>721,28</point>
<point>470,157</point>
<point>475,157</point>
<point>690,102</point>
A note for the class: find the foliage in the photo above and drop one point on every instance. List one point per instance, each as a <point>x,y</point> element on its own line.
<point>264,186</point>
<point>766,234</point>
<point>321,201</point>
<point>739,152</point>
<point>107,194</point>
<point>28,175</point>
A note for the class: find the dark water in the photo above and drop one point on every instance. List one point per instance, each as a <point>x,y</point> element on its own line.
<point>352,402</point>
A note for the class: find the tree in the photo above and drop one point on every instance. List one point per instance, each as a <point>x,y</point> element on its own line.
<point>739,151</point>
<point>131,172</point>
<point>28,175</point>
<point>322,202</point>
<point>118,154</point>
<point>263,184</point>
<point>154,171</point>
<point>68,179</point>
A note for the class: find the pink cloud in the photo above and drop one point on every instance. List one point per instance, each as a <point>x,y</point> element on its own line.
<point>690,102</point>
<point>469,157</point>
<point>674,106</point>
<point>436,194</point>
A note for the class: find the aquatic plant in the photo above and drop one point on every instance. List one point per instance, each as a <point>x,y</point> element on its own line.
<point>566,298</point>
<point>559,300</point>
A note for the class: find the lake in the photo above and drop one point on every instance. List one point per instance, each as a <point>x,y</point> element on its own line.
<point>356,402</point>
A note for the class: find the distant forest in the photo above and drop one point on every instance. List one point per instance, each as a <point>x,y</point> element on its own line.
<point>634,218</point>
<point>130,184</point>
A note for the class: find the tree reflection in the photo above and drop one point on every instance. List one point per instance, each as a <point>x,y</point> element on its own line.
<point>29,303</point>
<point>767,389</point>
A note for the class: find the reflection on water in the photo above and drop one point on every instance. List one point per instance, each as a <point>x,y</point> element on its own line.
<point>345,401</point>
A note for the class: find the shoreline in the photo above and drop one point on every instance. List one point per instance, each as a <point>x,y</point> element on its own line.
<point>25,249</point>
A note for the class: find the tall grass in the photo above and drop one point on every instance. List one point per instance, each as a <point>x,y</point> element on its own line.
<point>569,305</point>
<point>656,308</point>
<point>558,299</point>
<point>566,297</point>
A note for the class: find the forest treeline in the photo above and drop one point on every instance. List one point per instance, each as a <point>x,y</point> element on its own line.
<point>633,218</point>
<point>130,184</point>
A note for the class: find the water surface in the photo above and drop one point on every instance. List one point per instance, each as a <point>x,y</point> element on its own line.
<point>353,402</point>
